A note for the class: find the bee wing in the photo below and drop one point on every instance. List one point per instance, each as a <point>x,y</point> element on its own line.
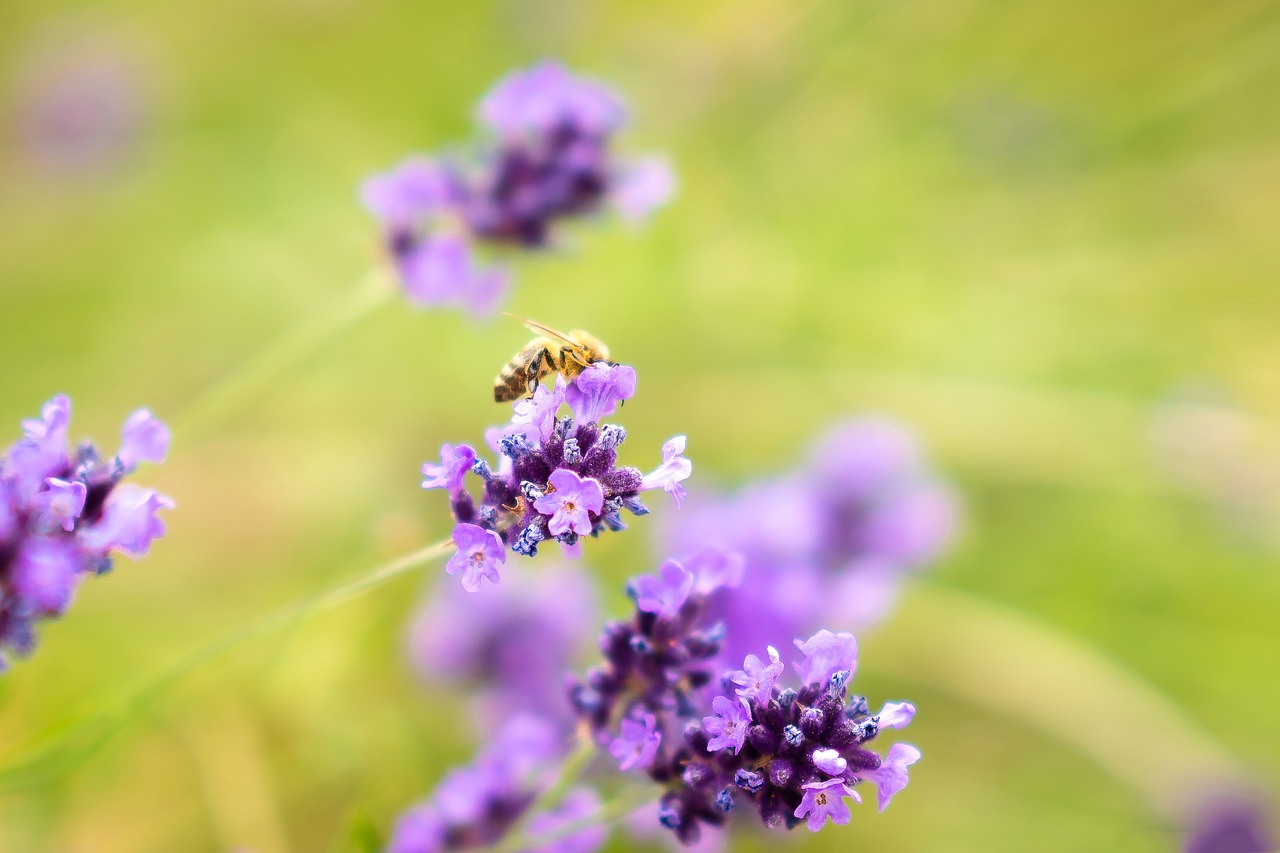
<point>546,330</point>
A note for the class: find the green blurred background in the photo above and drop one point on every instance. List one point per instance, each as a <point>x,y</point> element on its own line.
<point>1043,234</point>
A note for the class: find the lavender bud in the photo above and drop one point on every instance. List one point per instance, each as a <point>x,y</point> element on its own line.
<point>531,491</point>
<point>611,435</point>
<point>793,736</point>
<point>482,470</point>
<point>812,722</point>
<point>572,453</point>
<point>635,506</point>
<point>748,780</point>
<point>515,445</point>
<point>780,772</point>
<point>724,800</point>
<point>785,698</point>
<point>762,739</point>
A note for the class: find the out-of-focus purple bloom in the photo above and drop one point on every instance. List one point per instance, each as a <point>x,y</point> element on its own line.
<point>665,593</point>
<point>578,804</point>
<point>570,500</point>
<point>479,554</point>
<point>596,392</point>
<point>455,464</point>
<point>551,162</point>
<point>515,644</point>
<point>419,830</point>
<point>546,97</point>
<point>63,514</point>
<point>825,654</point>
<point>756,677</point>
<point>1231,821</point>
<point>828,543</point>
<point>643,187</point>
<point>674,470</point>
<point>823,800</point>
<point>557,478</point>
<point>728,725</point>
<point>637,744</point>
<point>891,776</point>
<point>79,110</point>
<point>146,439</point>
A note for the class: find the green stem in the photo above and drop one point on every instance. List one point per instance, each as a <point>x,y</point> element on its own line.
<point>1013,665</point>
<point>64,749</point>
<point>607,815</point>
<point>570,770</point>
<point>226,397</point>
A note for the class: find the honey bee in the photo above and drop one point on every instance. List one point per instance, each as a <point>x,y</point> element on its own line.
<point>551,352</point>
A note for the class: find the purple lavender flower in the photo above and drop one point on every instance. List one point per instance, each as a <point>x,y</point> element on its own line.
<point>1231,820</point>
<point>756,677</point>
<point>792,753</point>
<point>728,726</point>
<point>673,471</point>
<point>665,593</point>
<point>62,514</point>
<point>552,161</point>
<point>557,478</point>
<point>824,800</point>
<point>596,392</point>
<point>479,554</point>
<point>455,463</point>
<point>514,645</point>
<point>637,744</point>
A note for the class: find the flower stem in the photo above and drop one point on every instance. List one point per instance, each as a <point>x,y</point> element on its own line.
<point>373,289</point>
<point>1013,665</point>
<point>63,749</point>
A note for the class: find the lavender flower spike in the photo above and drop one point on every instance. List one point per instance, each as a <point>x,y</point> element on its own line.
<point>62,515</point>
<point>557,477</point>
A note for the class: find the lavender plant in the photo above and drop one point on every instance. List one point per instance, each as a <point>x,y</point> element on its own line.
<point>665,703</point>
<point>64,512</point>
<point>549,160</point>
<point>557,477</point>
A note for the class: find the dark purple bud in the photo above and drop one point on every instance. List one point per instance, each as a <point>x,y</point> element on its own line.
<point>669,812</point>
<point>842,734</point>
<point>623,481</point>
<point>861,759</point>
<point>773,810</point>
<point>780,772</point>
<point>634,506</point>
<point>812,722</point>
<point>837,684</point>
<point>640,645</point>
<point>763,739</point>
<point>515,445</point>
<point>793,736</point>
<point>724,800</point>
<point>464,508</point>
<point>785,698</point>
<point>696,774</point>
<point>482,470</point>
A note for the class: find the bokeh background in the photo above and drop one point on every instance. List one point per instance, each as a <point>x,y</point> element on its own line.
<point>1044,235</point>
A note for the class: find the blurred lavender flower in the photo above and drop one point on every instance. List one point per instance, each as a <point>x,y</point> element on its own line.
<point>63,513</point>
<point>828,543</point>
<point>557,478</point>
<point>516,644</point>
<point>793,753</point>
<point>475,805</point>
<point>551,161</point>
<point>1231,822</point>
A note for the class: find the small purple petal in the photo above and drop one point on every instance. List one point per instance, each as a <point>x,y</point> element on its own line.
<point>638,743</point>
<point>480,553</point>
<point>129,522</point>
<point>824,800</point>
<point>673,470</point>
<point>146,439</point>
<point>596,392</point>
<point>642,187</point>
<point>728,728</point>
<point>455,462</point>
<point>826,654</point>
<point>44,574</point>
<point>666,593</point>
<point>539,411</point>
<point>61,503</point>
<point>541,98</point>
<point>757,678</point>
<point>896,715</point>
<point>891,776</point>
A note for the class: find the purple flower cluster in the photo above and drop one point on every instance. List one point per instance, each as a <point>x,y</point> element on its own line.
<point>551,161</point>
<point>826,544</point>
<point>476,805</point>
<point>557,478</point>
<point>63,512</point>
<point>711,742</point>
